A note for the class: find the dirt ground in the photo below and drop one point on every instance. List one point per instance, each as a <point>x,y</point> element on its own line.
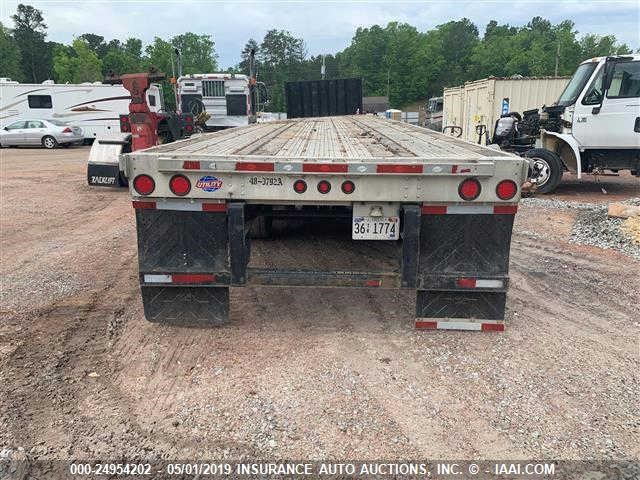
<point>299,373</point>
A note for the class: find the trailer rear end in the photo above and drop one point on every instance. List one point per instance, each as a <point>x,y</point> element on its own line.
<point>445,205</point>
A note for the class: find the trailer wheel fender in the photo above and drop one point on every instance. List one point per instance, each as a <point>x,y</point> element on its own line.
<point>566,147</point>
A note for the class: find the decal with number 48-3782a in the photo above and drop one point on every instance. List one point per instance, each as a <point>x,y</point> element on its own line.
<point>266,181</point>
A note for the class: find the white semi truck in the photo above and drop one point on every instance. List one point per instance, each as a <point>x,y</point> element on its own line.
<point>594,125</point>
<point>445,205</point>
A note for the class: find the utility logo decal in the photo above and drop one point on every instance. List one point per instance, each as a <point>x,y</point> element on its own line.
<point>209,183</point>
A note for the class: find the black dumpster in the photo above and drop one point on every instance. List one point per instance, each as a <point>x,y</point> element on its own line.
<point>322,98</point>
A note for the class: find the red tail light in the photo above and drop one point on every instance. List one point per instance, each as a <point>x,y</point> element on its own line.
<point>300,186</point>
<point>324,187</point>
<point>144,184</point>
<point>469,189</point>
<point>348,187</point>
<point>506,189</point>
<point>180,185</point>
<point>67,130</point>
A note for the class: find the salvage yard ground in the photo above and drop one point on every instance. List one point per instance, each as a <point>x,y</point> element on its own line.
<point>299,373</point>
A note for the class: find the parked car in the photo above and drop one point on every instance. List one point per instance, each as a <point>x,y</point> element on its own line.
<point>48,133</point>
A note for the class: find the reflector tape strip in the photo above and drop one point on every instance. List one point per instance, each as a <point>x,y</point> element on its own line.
<point>191,165</point>
<point>489,283</point>
<point>214,207</point>
<point>398,168</point>
<point>373,283</point>
<point>505,209</point>
<point>138,205</point>
<point>148,278</point>
<point>479,283</point>
<point>181,205</point>
<point>254,167</point>
<point>325,167</point>
<point>486,326</point>
<point>180,278</point>
<point>469,209</point>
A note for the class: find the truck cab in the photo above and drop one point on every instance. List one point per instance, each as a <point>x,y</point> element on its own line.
<point>224,97</point>
<point>595,124</point>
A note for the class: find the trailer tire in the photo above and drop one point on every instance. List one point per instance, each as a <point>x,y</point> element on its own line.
<point>186,306</point>
<point>49,142</point>
<point>547,167</point>
<point>261,227</point>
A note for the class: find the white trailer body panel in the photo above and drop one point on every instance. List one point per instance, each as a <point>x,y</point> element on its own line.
<point>93,107</point>
<point>483,101</point>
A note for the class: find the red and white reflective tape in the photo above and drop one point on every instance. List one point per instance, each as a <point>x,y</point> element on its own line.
<point>248,164</point>
<point>479,283</point>
<point>460,324</point>
<point>470,209</point>
<point>182,205</point>
<point>179,278</point>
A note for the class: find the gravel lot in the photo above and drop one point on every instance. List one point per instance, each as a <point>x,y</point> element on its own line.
<point>334,374</point>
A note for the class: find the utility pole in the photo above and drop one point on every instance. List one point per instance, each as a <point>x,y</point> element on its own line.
<point>557,58</point>
<point>322,68</point>
<point>388,82</point>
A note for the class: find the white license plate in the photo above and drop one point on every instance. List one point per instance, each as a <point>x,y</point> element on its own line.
<point>375,228</point>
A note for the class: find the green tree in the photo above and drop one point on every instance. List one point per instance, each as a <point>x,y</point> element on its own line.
<point>77,64</point>
<point>29,33</point>
<point>281,57</point>
<point>197,53</point>
<point>95,43</point>
<point>9,55</point>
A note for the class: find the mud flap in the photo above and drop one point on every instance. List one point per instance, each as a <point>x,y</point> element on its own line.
<point>463,271</point>
<point>186,306</point>
<point>104,175</point>
<point>452,304</point>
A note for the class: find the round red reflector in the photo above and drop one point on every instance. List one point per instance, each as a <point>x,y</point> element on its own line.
<point>506,189</point>
<point>144,184</point>
<point>324,186</point>
<point>469,189</point>
<point>180,185</point>
<point>348,187</point>
<point>300,186</point>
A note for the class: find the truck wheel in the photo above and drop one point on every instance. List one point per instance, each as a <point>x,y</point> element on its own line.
<point>546,169</point>
<point>261,227</point>
<point>49,142</point>
<point>186,306</point>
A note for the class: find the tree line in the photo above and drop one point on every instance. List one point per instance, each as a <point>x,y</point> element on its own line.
<point>395,60</point>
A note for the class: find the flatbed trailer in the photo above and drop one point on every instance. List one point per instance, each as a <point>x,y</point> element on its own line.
<point>447,204</point>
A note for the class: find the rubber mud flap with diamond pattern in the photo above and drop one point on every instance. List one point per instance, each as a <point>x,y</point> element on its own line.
<point>459,304</point>
<point>186,306</point>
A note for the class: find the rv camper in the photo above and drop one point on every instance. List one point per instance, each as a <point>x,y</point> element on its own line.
<point>94,107</point>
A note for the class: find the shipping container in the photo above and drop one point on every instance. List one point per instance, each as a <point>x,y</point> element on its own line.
<point>322,98</point>
<point>481,102</point>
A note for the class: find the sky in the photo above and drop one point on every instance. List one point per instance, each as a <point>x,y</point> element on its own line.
<point>326,26</point>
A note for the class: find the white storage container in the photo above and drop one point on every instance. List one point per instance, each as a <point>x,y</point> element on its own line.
<point>481,102</point>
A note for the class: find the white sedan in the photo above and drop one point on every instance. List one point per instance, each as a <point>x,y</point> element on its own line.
<point>48,133</point>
